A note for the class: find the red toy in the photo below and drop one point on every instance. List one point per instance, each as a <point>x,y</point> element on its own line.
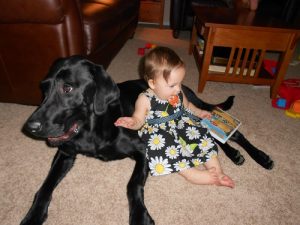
<point>270,66</point>
<point>142,51</point>
<point>289,92</point>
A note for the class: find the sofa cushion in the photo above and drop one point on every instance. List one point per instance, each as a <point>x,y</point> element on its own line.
<point>38,11</point>
<point>103,20</point>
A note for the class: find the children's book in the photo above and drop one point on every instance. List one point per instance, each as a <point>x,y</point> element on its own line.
<point>221,125</point>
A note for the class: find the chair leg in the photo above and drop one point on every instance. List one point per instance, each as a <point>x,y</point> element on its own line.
<point>176,34</point>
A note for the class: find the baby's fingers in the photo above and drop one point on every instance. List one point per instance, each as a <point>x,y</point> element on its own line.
<point>120,122</point>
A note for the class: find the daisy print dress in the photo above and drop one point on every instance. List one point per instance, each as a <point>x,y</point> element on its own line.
<point>174,139</point>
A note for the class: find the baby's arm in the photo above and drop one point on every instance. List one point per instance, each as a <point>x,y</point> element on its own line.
<point>137,120</point>
<point>198,112</point>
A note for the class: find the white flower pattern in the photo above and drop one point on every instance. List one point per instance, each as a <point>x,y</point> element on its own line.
<point>156,142</point>
<point>182,165</point>
<point>192,133</point>
<point>206,143</point>
<point>172,152</point>
<point>159,166</point>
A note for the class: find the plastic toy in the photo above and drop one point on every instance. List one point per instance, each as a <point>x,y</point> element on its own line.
<point>294,110</point>
<point>270,66</point>
<point>149,45</point>
<point>279,103</point>
<point>289,92</point>
<point>142,51</point>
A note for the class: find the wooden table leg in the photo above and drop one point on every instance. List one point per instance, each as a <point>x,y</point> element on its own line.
<point>283,66</point>
<point>193,39</point>
<point>208,49</point>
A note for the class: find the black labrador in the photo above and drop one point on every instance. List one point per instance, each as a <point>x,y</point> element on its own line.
<point>77,115</point>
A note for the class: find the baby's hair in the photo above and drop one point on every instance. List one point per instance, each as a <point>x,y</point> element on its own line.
<point>160,61</point>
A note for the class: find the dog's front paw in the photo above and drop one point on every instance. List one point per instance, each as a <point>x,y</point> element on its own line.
<point>34,218</point>
<point>238,159</point>
<point>32,221</point>
<point>147,220</point>
<point>264,160</point>
<point>141,218</point>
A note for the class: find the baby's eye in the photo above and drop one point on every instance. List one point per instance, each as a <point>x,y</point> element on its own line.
<point>67,88</point>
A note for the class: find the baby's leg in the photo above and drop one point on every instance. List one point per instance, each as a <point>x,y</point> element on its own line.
<point>196,176</point>
<point>223,179</point>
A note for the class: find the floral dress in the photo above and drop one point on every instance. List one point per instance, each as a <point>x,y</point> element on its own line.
<point>175,139</point>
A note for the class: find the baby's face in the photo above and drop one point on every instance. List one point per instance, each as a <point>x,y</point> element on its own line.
<point>165,89</point>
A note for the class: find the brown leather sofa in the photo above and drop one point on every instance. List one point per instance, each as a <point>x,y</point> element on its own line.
<point>33,33</point>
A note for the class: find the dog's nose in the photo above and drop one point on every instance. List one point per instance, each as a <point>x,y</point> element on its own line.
<point>33,126</point>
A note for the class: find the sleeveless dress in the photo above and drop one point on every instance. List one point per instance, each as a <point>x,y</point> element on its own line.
<point>174,137</point>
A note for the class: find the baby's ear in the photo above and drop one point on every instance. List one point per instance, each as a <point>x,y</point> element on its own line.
<point>151,83</point>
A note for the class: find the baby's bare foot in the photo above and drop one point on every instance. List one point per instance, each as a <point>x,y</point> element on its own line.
<point>210,176</point>
<point>196,176</point>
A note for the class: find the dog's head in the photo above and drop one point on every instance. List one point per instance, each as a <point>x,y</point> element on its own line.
<point>75,90</point>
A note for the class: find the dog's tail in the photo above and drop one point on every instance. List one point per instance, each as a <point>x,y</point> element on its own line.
<point>227,104</point>
<point>192,97</point>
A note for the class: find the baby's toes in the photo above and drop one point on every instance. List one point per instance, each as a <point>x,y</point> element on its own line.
<point>227,181</point>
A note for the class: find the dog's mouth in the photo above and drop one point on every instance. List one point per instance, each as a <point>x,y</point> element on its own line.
<point>74,130</point>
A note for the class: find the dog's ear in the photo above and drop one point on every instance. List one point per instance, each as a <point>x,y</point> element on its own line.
<point>107,90</point>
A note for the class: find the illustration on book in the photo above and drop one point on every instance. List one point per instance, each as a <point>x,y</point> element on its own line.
<point>221,125</point>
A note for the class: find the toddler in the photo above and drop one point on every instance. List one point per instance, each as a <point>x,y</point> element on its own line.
<point>165,120</point>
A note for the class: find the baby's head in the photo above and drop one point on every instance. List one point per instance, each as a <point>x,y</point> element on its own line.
<point>160,61</point>
<point>164,71</point>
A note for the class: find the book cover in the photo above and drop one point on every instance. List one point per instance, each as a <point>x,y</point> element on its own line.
<point>221,125</point>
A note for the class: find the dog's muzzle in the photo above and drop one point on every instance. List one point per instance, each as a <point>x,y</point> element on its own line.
<point>74,130</point>
<point>36,129</point>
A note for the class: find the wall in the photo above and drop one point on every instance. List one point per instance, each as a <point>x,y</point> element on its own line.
<point>167,13</point>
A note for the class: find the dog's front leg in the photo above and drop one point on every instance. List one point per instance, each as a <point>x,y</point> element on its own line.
<point>259,156</point>
<point>139,214</point>
<point>38,212</point>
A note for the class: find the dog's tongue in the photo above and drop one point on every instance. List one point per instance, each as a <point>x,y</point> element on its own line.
<point>65,136</point>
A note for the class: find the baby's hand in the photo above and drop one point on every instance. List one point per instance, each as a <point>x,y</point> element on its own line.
<point>127,122</point>
<point>205,114</point>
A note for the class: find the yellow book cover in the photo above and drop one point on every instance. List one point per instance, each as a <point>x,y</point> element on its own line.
<point>221,125</point>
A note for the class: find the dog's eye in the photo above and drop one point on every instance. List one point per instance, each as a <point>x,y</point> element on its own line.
<point>67,88</point>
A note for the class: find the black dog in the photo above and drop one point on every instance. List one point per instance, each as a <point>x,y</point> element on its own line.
<point>80,106</point>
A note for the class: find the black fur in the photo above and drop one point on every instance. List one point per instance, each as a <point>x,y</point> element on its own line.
<point>80,106</point>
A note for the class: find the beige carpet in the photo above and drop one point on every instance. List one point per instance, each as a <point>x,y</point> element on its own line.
<point>94,192</point>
